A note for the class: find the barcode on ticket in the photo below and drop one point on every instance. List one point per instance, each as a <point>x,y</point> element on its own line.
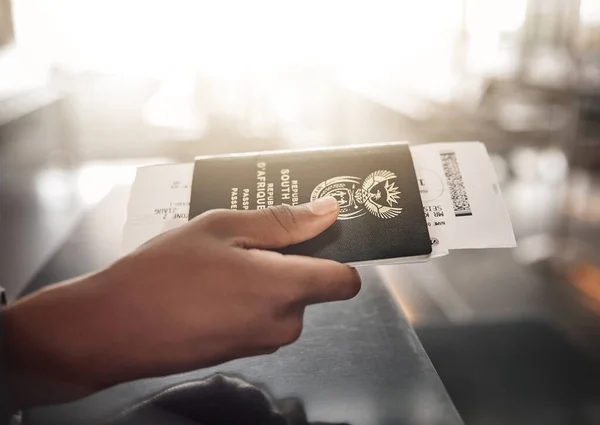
<point>458,193</point>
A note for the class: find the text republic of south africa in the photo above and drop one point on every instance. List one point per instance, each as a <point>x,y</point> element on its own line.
<point>265,190</point>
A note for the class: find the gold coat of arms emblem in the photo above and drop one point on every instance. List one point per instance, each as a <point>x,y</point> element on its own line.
<point>377,194</point>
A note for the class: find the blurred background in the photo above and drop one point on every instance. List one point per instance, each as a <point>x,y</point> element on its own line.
<point>89,89</point>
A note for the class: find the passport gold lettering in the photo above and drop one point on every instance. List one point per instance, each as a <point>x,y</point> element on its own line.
<point>294,192</point>
<point>246,199</point>
<point>264,198</point>
<point>285,185</point>
<point>234,198</point>
<point>270,194</point>
<point>289,188</point>
<point>260,199</point>
<point>261,184</point>
<point>261,179</point>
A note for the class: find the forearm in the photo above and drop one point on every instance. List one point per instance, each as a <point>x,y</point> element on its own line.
<point>44,350</point>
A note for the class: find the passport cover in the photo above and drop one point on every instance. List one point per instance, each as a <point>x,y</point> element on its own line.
<point>381,213</point>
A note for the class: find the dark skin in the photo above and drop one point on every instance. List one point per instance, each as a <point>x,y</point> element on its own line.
<point>205,293</point>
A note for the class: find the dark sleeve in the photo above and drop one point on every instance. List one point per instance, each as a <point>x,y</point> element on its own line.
<point>6,411</point>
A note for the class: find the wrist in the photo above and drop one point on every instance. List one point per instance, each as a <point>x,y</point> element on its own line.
<point>50,344</point>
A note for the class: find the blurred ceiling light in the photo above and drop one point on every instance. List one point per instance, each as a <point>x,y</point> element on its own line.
<point>523,161</point>
<point>518,115</point>
<point>552,165</point>
<point>54,188</point>
<point>549,164</point>
<point>534,206</point>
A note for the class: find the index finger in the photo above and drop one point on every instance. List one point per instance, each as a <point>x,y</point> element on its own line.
<point>315,280</point>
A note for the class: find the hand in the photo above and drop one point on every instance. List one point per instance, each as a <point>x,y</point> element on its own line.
<point>196,296</point>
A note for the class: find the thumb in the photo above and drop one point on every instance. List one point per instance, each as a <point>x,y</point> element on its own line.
<point>280,226</point>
